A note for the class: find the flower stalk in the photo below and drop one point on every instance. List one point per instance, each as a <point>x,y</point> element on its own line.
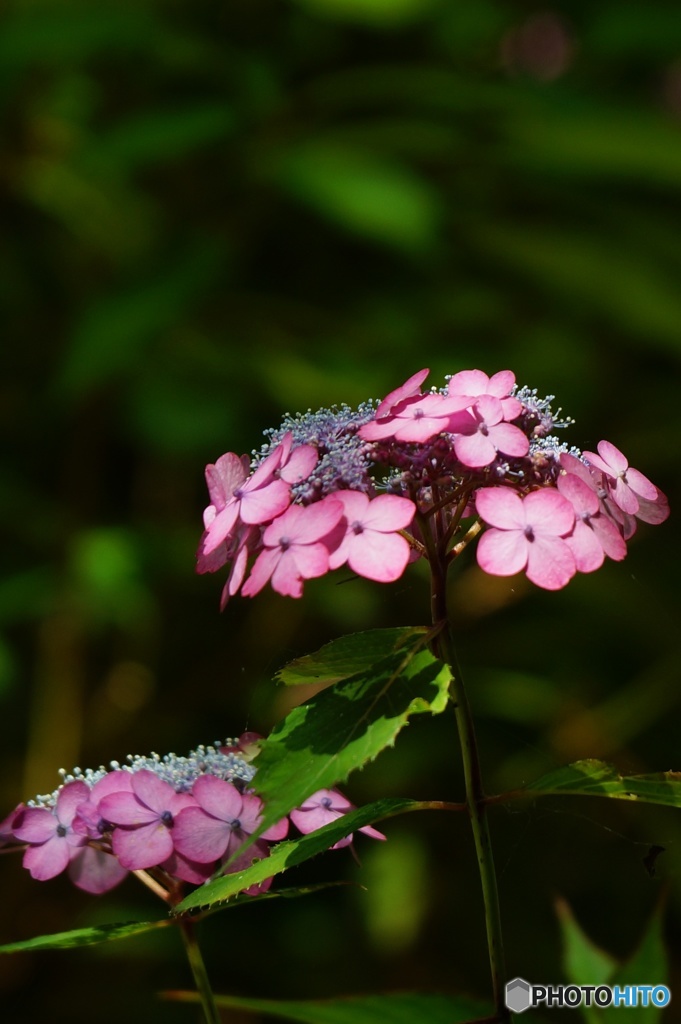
<point>199,972</point>
<point>476,803</point>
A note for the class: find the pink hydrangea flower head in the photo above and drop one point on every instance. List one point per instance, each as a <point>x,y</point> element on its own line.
<point>219,822</point>
<point>483,433</point>
<point>323,807</point>
<point>144,817</point>
<point>52,840</point>
<point>527,534</point>
<point>629,484</point>
<point>371,546</point>
<point>293,548</point>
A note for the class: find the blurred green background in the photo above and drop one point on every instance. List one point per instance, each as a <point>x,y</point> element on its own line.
<point>212,213</point>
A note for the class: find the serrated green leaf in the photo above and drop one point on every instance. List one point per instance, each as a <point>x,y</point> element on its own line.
<point>288,854</point>
<point>596,778</point>
<point>390,1008</point>
<point>109,932</point>
<point>350,654</point>
<point>86,936</point>
<point>342,728</point>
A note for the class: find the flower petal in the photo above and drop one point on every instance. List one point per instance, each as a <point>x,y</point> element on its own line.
<point>200,836</point>
<point>502,552</point>
<point>145,847</point>
<point>550,563</point>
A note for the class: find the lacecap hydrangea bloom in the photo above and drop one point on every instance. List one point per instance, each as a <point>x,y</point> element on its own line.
<point>173,818</point>
<point>421,475</point>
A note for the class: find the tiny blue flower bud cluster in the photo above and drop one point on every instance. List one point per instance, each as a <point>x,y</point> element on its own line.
<point>178,770</point>
<point>343,456</point>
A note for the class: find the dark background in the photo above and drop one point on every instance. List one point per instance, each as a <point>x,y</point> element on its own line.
<point>212,213</point>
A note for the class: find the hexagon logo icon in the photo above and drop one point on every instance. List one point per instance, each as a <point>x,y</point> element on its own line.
<point>518,995</point>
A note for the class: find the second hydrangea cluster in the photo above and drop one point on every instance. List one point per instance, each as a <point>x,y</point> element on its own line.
<point>181,818</point>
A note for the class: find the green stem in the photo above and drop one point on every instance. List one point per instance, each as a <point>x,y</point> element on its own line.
<point>199,972</point>
<point>475,795</point>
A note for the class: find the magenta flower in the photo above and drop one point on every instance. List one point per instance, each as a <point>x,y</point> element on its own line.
<point>95,871</point>
<point>323,807</point>
<point>415,420</point>
<point>253,499</point>
<point>630,486</point>
<point>293,548</point>
<point>595,535</point>
<point>475,383</point>
<point>482,433</point>
<point>371,546</point>
<point>296,463</point>
<point>219,822</point>
<point>528,533</point>
<point>52,840</point>
<point>410,389</point>
<point>144,818</point>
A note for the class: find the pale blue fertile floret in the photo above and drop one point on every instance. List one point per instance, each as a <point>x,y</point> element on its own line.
<point>343,456</point>
<point>179,771</point>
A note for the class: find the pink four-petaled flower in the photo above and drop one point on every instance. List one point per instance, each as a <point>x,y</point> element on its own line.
<point>236,495</point>
<point>50,833</point>
<point>475,383</point>
<point>371,546</point>
<point>594,535</point>
<point>629,485</point>
<point>482,432</point>
<point>144,817</point>
<point>323,807</point>
<point>527,533</point>
<point>219,821</point>
<point>294,548</point>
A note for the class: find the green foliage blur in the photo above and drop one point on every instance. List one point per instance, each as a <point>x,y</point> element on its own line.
<point>212,213</point>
